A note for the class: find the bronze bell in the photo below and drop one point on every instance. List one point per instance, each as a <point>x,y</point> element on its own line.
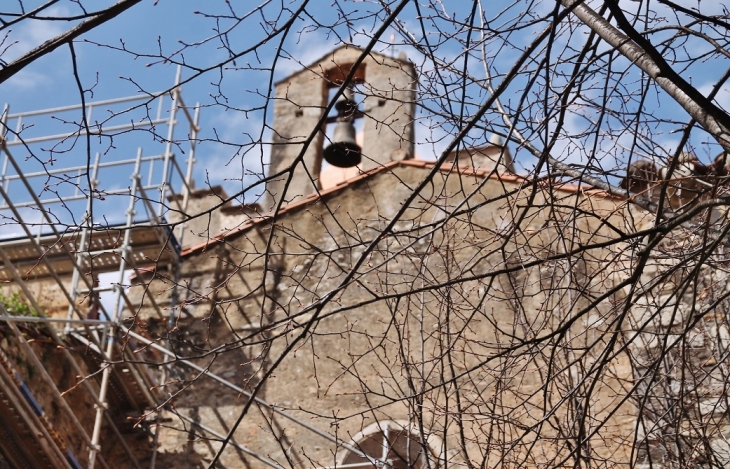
<point>346,104</point>
<point>343,152</point>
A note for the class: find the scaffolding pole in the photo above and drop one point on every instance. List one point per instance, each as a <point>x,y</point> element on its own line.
<point>189,170</point>
<point>39,249</point>
<point>27,414</point>
<point>170,136</point>
<point>54,336</point>
<point>233,443</point>
<point>34,319</point>
<point>82,251</point>
<point>109,333</point>
<point>13,319</point>
<point>45,376</point>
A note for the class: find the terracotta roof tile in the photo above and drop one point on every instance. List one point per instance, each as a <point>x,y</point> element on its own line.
<point>446,168</point>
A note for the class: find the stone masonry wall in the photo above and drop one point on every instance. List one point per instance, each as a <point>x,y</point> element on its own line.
<point>477,363</point>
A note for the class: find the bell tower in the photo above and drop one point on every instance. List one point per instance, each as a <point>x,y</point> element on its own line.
<point>381,95</point>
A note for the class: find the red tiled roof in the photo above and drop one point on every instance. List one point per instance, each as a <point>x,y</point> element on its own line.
<point>446,168</point>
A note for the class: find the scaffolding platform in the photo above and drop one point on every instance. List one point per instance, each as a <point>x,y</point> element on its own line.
<point>148,244</point>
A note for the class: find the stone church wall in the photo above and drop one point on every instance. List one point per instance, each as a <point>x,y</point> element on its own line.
<point>499,362</point>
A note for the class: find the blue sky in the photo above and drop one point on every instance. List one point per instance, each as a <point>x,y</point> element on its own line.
<point>118,59</point>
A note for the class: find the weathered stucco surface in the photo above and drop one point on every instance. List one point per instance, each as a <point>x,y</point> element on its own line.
<point>397,328</point>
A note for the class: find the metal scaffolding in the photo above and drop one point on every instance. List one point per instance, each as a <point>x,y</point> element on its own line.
<point>59,228</point>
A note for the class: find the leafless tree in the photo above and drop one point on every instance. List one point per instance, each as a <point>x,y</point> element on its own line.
<point>574,313</point>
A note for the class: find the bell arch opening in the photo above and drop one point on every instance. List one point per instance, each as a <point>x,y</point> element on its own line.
<point>341,148</point>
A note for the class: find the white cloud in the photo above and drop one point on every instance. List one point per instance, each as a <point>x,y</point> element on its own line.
<point>32,33</point>
<point>28,80</point>
<point>12,228</point>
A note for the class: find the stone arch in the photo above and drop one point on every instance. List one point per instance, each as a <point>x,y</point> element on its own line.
<point>405,448</point>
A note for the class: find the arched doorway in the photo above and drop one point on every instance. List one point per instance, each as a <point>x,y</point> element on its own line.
<point>392,444</point>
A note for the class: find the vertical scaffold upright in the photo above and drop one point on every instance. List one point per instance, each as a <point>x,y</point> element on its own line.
<point>59,229</point>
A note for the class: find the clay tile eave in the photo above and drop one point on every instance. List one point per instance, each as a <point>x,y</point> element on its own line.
<point>286,209</point>
<point>421,164</point>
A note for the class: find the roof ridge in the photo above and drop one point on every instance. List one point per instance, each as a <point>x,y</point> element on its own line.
<point>414,163</point>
